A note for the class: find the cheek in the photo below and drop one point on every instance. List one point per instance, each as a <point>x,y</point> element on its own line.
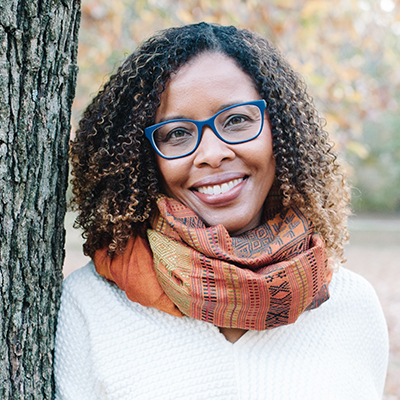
<point>170,171</point>
<point>164,172</point>
<point>263,153</point>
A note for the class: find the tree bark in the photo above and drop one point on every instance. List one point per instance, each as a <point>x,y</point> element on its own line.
<point>38,49</point>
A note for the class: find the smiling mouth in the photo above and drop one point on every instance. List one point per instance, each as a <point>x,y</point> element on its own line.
<point>219,189</point>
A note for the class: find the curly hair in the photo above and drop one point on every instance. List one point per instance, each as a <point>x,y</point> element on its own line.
<point>115,178</point>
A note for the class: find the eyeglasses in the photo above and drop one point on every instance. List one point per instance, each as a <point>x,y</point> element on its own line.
<point>233,125</point>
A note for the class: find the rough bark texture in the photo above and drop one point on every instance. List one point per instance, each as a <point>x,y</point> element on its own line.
<point>38,47</point>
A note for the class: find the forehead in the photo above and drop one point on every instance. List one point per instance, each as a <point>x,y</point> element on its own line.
<point>200,87</point>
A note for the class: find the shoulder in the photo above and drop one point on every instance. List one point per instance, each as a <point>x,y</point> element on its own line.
<point>81,277</point>
<point>86,284</point>
<point>352,291</point>
<point>92,295</point>
<point>99,302</point>
<point>344,280</point>
<point>353,300</point>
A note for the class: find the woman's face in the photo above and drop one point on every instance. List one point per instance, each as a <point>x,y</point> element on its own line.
<point>244,173</point>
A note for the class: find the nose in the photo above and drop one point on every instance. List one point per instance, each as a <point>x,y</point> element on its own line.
<point>212,151</point>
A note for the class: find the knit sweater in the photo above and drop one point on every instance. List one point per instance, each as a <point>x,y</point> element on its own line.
<point>108,347</point>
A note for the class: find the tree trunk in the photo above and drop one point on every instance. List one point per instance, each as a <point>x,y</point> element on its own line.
<point>38,49</point>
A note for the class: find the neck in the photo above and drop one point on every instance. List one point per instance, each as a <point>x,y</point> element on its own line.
<point>232,334</point>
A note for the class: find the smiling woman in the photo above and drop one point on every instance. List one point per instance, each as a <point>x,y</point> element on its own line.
<point>214,211</point>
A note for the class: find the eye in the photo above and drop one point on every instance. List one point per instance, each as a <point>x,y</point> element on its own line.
<point>178,133</point>
<point>236,119</point>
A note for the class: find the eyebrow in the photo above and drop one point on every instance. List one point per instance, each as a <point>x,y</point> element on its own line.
<point>180,116</point>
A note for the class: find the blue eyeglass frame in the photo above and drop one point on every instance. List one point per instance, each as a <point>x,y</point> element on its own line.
<point>261,104</point>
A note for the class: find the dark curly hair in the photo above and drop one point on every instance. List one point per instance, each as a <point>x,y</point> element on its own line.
<point>115,178</point>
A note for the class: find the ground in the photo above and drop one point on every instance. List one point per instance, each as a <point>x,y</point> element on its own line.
<point>373,252</point>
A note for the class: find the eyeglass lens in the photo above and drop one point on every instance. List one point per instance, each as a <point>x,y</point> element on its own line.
<point>235,125</point>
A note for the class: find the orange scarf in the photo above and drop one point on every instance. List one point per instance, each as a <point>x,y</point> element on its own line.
<point>261,279</point>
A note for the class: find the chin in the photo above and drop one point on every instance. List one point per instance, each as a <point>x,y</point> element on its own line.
<point>238,229</point>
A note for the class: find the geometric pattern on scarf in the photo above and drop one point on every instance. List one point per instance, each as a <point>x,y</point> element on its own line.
<point>259,280</point>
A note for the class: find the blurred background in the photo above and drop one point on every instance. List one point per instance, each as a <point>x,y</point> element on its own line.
<point>348,52</point>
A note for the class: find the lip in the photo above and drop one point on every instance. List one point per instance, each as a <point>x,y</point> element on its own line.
<point>218,179</point>
<point>223,198</point>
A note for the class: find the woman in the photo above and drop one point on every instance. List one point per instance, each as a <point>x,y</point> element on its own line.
<point>215,213</point>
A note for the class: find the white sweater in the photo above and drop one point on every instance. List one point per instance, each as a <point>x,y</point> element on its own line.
<point>108,347</point>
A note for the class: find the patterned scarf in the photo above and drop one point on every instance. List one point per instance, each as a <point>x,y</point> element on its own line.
<point>259,280</point>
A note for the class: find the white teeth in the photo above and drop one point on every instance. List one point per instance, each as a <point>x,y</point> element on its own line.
<point>224,187</point>
<point>217,189</point>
